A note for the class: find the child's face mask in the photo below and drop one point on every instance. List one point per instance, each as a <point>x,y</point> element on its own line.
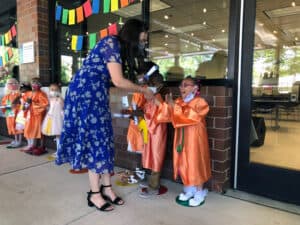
<point>189,97</point>
<point>54,93</point>
<point>35,87</point>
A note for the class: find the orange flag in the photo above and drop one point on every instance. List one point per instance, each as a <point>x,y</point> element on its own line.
<point>103,33</point>
<point>124,3</point>
<point>10,53</point>
<point>79,13</point>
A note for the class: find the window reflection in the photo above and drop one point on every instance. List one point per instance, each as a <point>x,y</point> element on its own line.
<point>276,86</point>
<point>193,35</point>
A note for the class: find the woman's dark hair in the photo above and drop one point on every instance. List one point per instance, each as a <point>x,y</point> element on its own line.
<point>129,38</point>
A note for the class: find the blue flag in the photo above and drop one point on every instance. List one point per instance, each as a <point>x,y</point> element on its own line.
<point>79,43</point>
<point>1,61</point>
<point>96,6</point>
<point>58,12</point>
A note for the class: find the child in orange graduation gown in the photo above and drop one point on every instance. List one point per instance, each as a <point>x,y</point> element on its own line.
<point>154,151</point>
<point>9,101</point>
<point>37,102</point>
<point>191,157</point>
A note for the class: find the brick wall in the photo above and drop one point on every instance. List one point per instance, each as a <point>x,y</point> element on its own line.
<point>219,126</point>
<point>32,17</point>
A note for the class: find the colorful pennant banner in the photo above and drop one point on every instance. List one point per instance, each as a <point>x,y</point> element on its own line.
<point>7,37</point>
<point>88,8</point>
<point>77,40</point>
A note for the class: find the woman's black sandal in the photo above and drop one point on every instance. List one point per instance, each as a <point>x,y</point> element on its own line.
<point>116,201</point>
<point>104,207</point>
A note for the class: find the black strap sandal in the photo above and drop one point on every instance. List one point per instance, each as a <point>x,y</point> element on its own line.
<point>104,207</point>
<point>116,201</point>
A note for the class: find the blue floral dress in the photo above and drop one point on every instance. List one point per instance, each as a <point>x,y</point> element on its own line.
<point>87,136</point>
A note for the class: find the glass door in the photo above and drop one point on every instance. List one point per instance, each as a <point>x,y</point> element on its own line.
<point>270,166</point>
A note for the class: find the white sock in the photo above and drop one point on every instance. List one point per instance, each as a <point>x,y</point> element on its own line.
<point>189,192</point>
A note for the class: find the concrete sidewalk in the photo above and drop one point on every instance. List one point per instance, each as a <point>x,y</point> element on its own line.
<point>33,191</point>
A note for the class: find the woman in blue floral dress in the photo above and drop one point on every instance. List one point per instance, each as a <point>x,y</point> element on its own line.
<point>87,136</point>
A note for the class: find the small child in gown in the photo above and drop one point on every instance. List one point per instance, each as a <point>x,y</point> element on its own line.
<point>52,124</point>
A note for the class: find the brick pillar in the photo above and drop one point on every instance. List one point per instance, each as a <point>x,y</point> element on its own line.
<point>219,127</point>
<point>32,17</point>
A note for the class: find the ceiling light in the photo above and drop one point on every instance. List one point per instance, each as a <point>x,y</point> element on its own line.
<point>87,33</point>
<point>293,4</point>
<point>192,34</point>
<point>261,24</point>
<point>166,44</point>
<point>296,38</point>
<point>166,17</point>
<point>173,28</point>
<point>204,10</point>
<point>213,40</point>
<point>204,23</point>
<point>166,36</point>
<point>223,31</point>
<point>275,32</point>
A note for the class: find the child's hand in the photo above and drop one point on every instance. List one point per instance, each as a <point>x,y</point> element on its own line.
<point>169,99</point>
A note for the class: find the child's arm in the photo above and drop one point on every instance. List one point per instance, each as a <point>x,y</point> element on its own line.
<point>40,103</point>
<point>189,114</point>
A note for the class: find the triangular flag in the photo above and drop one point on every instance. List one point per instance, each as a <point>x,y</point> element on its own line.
<point>13,31</point>
<point>124,3</point>
<point>114,5</point>
<point>79,42</point>
<point>3,39</point>
<point>112,29</point>
<point>9,35</point>
<point>96,6</point>
<point>6,57</point>
<point>58,12</point>
<point>65,16</point>
<point>106,6</point>
<point>6,39</point>
<point>74,42</point>
<point>10,53</point>
<point>87,8</point>
<point>79,13</point>
<point>4,60</point>
<point>131,1</point>
<point>92,40</point>
<point>72,17</point>
<point>1,61</point>
<point>103,33</point>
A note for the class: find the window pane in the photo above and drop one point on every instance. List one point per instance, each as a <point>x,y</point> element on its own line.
<point>275,122</point>
<point>192,36</point>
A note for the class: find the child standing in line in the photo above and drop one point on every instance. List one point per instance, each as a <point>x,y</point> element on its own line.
<point>11,108</point>
<point>191,157</point>
<point>36,103</point>
<point>154,151</point>
<point>52,124</point>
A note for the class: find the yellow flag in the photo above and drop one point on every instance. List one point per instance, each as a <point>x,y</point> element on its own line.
<point>74,42</point>
<point>72,17</point>
<point>4,60</point>
<point>6,38</point>
<point>114,5</point>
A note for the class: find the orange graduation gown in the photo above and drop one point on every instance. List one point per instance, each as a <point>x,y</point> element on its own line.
<point>11,113</point>
<point>188,119</point>
<point>35,114</point>
<point>134,135</point>
<point>154,151</point>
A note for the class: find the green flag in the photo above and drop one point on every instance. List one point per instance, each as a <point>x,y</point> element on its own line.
<point>106,6</point>
<point>65,16</point>
<point>92,40</point>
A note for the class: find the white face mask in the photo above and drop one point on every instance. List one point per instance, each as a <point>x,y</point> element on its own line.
<point>189,97</point>
<point>54,94</point>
